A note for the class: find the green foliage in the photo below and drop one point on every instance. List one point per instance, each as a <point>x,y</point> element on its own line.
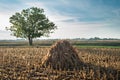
<point>31,23</point>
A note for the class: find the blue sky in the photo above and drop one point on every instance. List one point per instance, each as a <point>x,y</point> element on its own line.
<point>74,18</point>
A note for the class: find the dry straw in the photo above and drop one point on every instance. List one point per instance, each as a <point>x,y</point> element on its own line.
<point>62,56</point>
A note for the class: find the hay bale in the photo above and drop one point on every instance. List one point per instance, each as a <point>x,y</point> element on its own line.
<point>62,56</point>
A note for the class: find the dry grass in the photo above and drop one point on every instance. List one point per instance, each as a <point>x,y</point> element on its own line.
<point>25,64</point>
<point>62,56</point>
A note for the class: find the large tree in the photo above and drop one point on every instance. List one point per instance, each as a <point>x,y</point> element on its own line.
<point>31,23</point>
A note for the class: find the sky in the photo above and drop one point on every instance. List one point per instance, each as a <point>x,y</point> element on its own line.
<point>74,18</point>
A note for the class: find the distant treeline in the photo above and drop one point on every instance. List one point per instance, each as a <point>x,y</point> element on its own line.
<point>75,42</point>
<point>96,38</point>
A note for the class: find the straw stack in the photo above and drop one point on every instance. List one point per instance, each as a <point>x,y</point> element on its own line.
<point>62,56</point>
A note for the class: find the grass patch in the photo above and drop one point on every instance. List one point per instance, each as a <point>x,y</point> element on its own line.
<point>97,46</point>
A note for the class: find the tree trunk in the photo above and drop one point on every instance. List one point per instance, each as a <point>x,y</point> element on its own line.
<point>30,41</point>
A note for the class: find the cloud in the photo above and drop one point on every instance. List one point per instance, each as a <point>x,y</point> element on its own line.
<point>35,4</point>
<point>83,11</point>
<point>4,21</point>
<point>80,18</point>
<point>6,35</point>
<point>10,6</point>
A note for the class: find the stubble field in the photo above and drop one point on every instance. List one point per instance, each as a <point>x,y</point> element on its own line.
<point>25,64</point>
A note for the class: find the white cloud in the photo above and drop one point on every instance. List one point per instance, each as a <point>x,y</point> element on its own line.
<point>6,35</point>
<point>35,4</point>
<point>78,29</point>
<point>69,29</point>
<point>4,21</point>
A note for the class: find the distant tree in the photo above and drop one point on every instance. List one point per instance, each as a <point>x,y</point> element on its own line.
<point>95,38</point>
<point>31,23</point>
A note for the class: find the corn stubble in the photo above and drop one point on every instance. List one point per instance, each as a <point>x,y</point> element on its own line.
<point>27,64</point>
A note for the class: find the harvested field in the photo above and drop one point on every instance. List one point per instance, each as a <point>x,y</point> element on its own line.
<point>25,64</point>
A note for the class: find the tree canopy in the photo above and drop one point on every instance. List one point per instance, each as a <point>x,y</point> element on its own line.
<point>31,23</point>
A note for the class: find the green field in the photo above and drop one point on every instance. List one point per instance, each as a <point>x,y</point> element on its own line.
<point>77,43</point>
<point>98,46</point>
